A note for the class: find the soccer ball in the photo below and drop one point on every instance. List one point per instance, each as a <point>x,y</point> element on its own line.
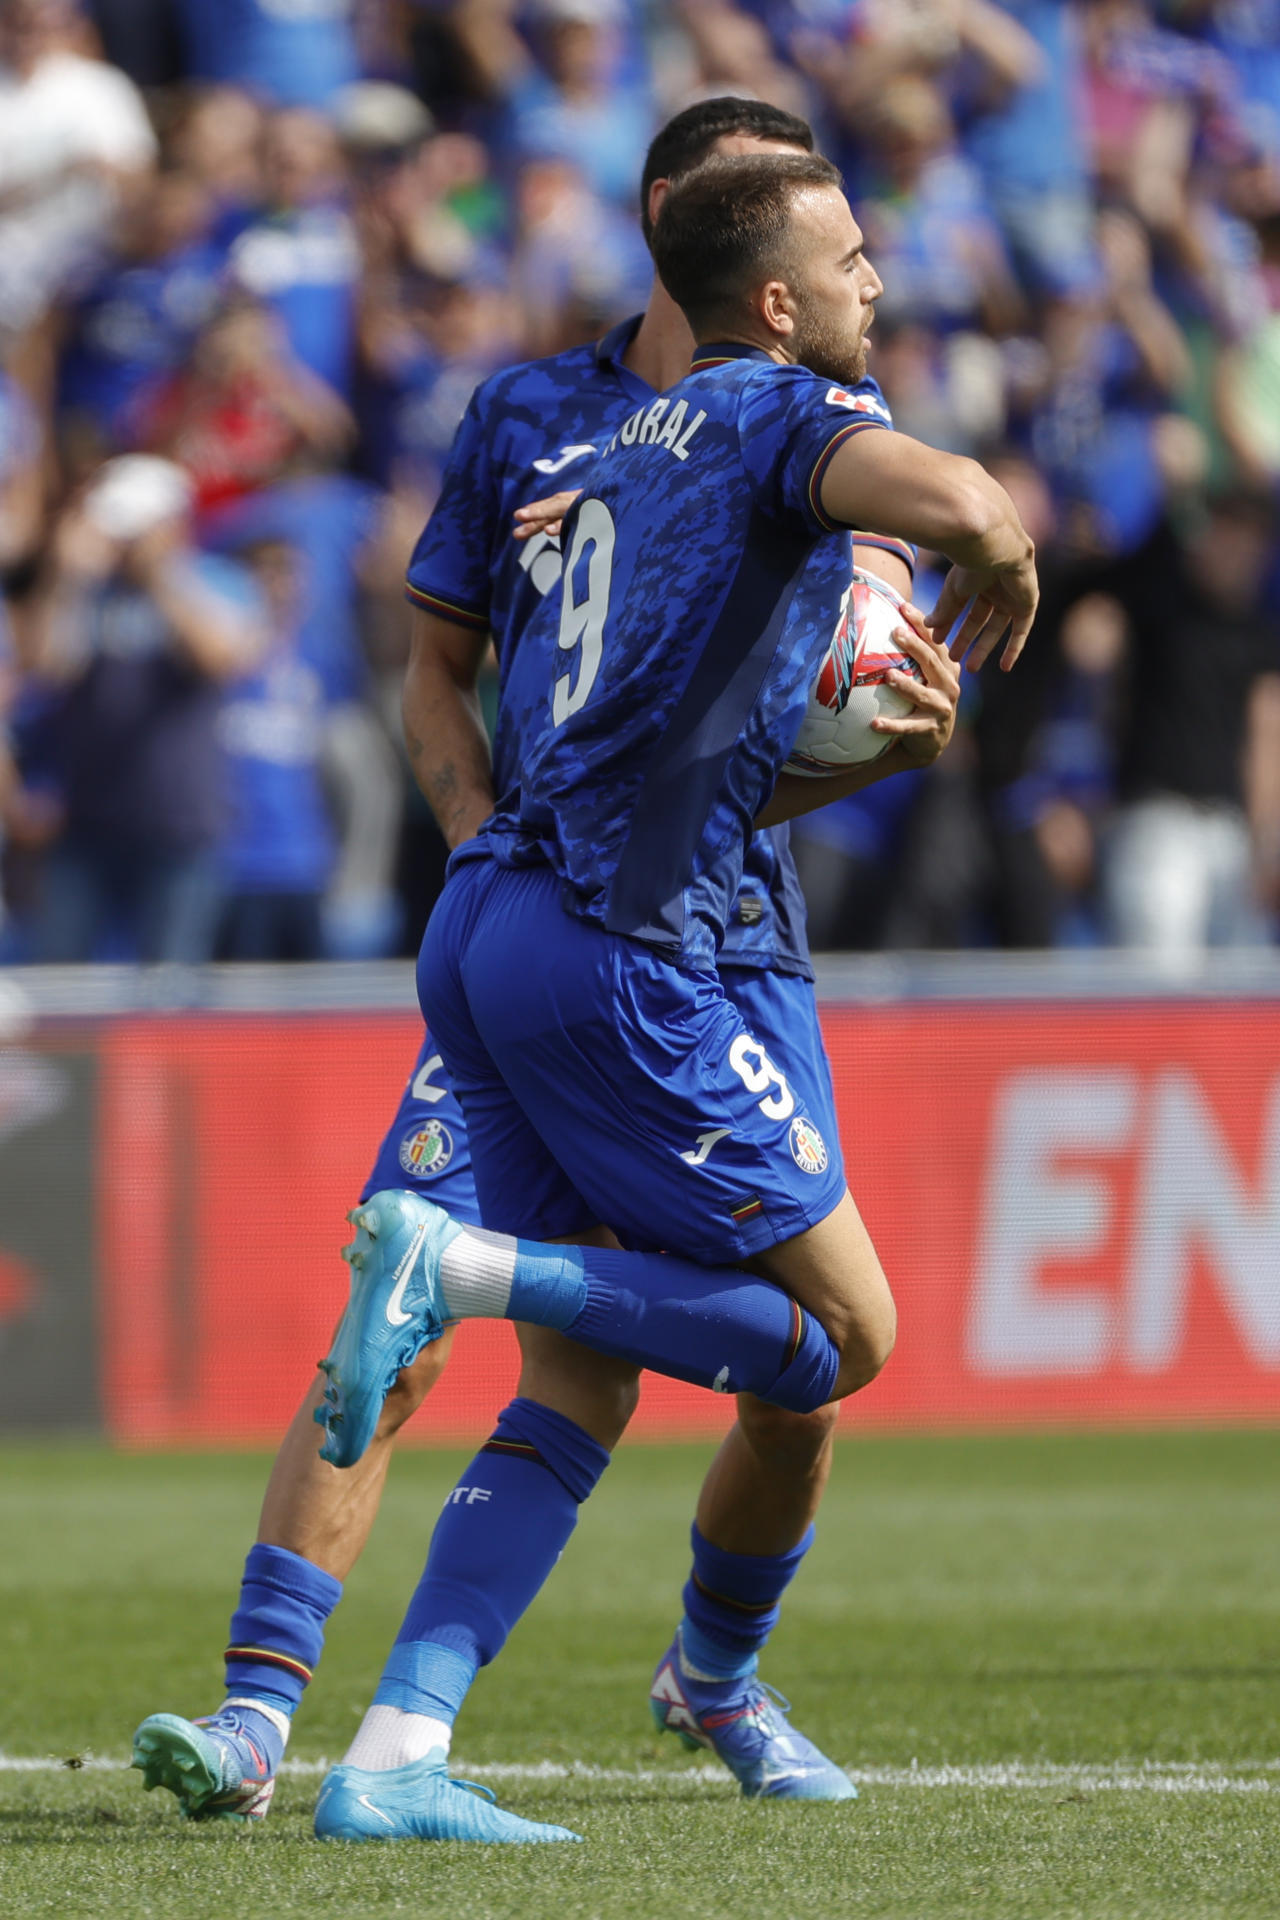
<point>849,691</point>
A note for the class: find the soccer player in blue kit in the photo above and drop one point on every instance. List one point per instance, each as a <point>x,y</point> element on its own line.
<point>568,970</point>
<point>754,1520</point>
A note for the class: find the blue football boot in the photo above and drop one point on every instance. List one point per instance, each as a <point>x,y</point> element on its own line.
<point>744,1724</point>
<point>395,1310</point>
<point>213,1767</point>
<point>419,1802</point>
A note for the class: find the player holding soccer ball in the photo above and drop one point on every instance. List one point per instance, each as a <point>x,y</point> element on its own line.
<point>566,969</point>
<point>545,1449</point>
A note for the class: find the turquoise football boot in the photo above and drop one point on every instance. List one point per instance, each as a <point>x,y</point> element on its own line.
<point>395,1310</point>
<point>213,1768</point>
<point>745,1724</point>
<point>419,1802</point>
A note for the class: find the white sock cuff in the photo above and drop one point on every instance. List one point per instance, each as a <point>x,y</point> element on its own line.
<point>389,1737</point>
<point>477,1269</point>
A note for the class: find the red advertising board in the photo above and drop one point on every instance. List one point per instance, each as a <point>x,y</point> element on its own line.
<point>1078,1208</point>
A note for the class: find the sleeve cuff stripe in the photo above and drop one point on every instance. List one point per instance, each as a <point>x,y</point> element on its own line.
<point>887,544</point>
<point>823,461</point>
<point>447,609</point>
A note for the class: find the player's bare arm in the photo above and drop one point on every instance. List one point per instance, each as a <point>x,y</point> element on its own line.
<point>444,729</point>
<point>896,485</point>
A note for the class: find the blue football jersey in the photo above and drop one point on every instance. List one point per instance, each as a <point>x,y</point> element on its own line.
<point>530,431</point>
<point>655,699</point>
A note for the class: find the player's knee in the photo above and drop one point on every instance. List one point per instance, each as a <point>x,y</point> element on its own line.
<point>866,1347</point>
<point>784,1440</point>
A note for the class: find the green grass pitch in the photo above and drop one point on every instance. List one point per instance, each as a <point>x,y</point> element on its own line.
<point>1053,1661</point>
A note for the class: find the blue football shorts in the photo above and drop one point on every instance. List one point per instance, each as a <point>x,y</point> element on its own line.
<point>426,1146</point>
<point>601,1084</point>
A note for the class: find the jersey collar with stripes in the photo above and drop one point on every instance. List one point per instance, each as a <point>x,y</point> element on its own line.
<point>718,353</point>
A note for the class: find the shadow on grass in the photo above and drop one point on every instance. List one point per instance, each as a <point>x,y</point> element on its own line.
<point>60,1826</point>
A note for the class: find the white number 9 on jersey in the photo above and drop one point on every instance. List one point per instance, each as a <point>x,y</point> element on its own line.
<point>582,621</point>
<point>758,1075</point>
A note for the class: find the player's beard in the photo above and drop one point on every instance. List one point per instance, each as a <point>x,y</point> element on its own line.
<point>827,350</point>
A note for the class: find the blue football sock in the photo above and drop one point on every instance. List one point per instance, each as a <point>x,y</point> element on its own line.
<point>732,1602</point>
<point>277,1631</point>
<point>716,1327</point>
<point>425,1676</point>
<point>245,1720</point>
<point>503,1528</point>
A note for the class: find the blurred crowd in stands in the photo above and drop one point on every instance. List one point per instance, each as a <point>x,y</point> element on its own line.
<point>256,254</point>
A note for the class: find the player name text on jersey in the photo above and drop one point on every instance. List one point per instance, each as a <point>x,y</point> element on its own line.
<point>649,428</point>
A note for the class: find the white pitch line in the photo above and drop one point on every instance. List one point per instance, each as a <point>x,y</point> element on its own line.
<point>1177,1776</point>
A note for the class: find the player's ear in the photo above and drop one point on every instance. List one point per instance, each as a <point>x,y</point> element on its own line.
<point>658,191</point>
<point>775,304</point>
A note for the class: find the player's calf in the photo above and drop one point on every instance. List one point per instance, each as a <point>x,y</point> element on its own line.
<point>597,1391</point>
<point>792,1446</point>
<point>411,1387</point>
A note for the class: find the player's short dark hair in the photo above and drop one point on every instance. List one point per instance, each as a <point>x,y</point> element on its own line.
<point>687,139</point>
<point>727,225</point>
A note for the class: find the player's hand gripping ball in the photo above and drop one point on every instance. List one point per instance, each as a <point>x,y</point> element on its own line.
<point>850,688</point>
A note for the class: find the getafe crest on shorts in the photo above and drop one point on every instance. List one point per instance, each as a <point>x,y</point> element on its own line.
<point>427,1150</point>
<point>808,1148</point>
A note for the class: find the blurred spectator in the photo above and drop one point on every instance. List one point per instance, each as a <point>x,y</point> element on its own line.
<point>216,141</point>
<point>300,258</point>
<point>575,261</point>
<point>350,212</point>
<point>1248,33</point>
<point>1115,360</point>
<point>137,632</point>
<point>926,220</point>
<point>294,52</point>
<point>1248,372</point>
<point>137,322</point>
<point>335,531</point>
<point>1151,98</point>
<point>735,54</point>
<point>384,129</point>
<point>947,389</point>
<point>278,850</point>
<point>1192,858</point>
<point>22,485</point>
<point>429,343</point>
<point>244,411</point>
<point>331,522</point>
<point>1022,131</point>
<point>362,914</point>
<point>578,102</point>
<point>1062,799</point>
<point>74,138</point>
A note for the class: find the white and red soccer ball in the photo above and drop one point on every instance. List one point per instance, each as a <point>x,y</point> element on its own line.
<point>850,689</point>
